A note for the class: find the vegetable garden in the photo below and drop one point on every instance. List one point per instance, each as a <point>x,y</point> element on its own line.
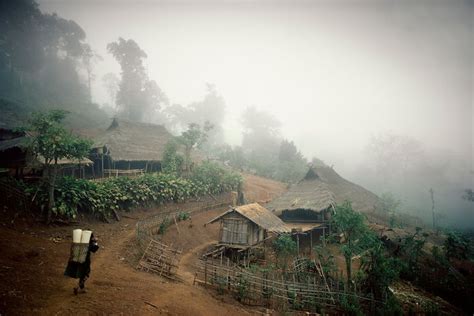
<point>74,196</point>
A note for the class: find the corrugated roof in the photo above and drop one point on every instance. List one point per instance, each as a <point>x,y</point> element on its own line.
<point>260,216</point>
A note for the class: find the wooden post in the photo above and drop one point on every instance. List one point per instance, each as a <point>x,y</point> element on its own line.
<point>102,164</point>
<point>228,276</point>
<point>324,236</point>
<point>298,243</point>
<point>176,223</point>
<point>205,271</point>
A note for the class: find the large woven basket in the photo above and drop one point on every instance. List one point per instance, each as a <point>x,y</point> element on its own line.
<point>79,252</point>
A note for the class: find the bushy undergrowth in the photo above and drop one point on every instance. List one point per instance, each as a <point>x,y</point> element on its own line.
<point>74,196</point>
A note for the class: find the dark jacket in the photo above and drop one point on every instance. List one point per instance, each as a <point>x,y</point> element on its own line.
<point>80,270</point>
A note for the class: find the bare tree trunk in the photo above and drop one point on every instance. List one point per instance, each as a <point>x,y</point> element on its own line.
<point>349,271</point>
<point>51,182</point>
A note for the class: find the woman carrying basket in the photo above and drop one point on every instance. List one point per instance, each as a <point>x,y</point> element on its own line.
<point>81,268</point>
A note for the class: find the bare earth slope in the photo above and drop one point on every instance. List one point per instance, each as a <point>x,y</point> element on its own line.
<point>33,258</point>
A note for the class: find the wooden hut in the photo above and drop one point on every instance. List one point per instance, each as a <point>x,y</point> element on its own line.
<point>248,225</point>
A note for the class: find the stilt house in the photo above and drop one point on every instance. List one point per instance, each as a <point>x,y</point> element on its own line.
<point>306,208</point>
<point>248,225</point>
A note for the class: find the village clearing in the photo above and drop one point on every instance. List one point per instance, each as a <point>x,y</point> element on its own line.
<point>34,257</point>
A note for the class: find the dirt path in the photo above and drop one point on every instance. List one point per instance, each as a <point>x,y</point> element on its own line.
<point>186,269</point>
<point>34,258</point>
<point>115,287</point>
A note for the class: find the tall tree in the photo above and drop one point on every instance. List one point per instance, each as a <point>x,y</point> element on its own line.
<point>261,140</point>
<point>111,83</point>
<point>193,138</point>
<point>137,95</point>
<point>210,109</point>
<point>89,58</point>
<point>51,143</point>
<point>351,225</point>
<point>40,59</point>
<point>291,163</point>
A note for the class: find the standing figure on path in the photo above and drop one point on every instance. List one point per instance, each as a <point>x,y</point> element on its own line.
<point>81,270</point>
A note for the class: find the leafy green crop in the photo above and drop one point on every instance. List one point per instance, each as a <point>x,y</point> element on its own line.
<point>74,196</point>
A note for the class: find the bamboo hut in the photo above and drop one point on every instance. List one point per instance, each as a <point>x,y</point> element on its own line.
<point>248,225</point>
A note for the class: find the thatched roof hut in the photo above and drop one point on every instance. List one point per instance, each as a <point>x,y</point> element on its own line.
<point>132,146</point>
<point>309,194</point>
<point>362,199</point>
<point>321,188</point>
<point>248,225</point>
<point>133,141</point>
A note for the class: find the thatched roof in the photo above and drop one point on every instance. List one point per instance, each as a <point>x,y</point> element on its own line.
<point>362,199</point>
<point>132,141</point>
<point>321,188</point>
<point>260,216</point>
<point>310,194</point>
<point>18,142</point>
<point>304,227</point>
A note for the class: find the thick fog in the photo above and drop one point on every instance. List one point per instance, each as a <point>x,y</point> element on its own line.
<point>338,75</point>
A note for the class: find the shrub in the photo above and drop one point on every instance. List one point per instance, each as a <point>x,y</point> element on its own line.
<point>285,245</point>
<point>164,226</point>
<point>182,216</point>
<point>214,179</point>
<point>457,246</point>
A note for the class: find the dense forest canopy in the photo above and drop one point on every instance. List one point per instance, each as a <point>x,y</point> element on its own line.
<point>42,57</point>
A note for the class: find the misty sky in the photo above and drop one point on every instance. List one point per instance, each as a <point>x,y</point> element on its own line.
<point>334,72</point>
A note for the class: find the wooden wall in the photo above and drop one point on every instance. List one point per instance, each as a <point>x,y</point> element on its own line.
<point>236,229</point>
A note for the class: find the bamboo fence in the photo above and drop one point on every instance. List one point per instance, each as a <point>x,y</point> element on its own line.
<point>295,290</point>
